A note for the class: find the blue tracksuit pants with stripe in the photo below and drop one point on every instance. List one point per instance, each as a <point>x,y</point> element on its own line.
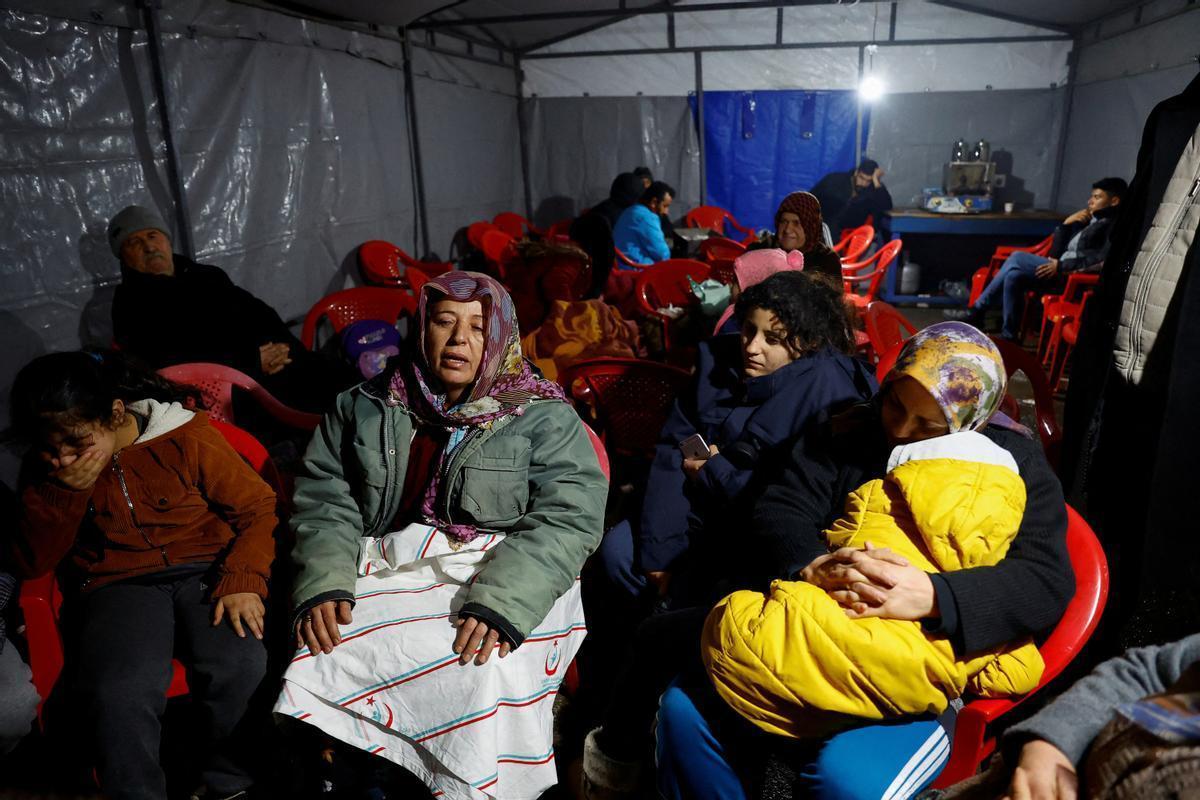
<point>703,751</point>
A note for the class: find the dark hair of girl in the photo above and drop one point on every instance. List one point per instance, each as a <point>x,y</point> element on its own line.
<point>66,389</point>
<point>810,306</point>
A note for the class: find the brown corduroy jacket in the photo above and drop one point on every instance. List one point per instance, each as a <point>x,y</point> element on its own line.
<point>183,497</point>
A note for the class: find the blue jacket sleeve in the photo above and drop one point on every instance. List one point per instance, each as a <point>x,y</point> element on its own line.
<point>650,236</point>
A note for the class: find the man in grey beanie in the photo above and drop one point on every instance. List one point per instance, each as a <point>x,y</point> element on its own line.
<point>170,310</point>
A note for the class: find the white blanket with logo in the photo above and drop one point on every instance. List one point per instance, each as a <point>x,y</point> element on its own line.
<point>394,688</point>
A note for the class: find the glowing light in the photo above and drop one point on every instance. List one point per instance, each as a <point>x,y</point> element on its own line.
<point>871,89</point>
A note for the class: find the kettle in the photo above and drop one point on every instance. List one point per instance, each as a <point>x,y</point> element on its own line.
<point>960,151</point>
<point>982,151</point>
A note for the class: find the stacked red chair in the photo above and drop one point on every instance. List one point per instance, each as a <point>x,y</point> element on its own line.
<point>350,305</point>
<point>714,218</point>
<point>626,399</point>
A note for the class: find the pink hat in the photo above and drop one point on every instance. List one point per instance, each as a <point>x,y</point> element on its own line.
<point>756,266</point>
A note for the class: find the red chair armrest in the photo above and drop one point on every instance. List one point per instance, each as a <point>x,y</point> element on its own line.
<point>39,605</point>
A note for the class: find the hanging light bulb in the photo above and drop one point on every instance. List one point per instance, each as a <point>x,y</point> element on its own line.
<point>871,89</point>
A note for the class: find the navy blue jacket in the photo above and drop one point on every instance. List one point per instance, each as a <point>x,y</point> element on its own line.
<point>747,420</point>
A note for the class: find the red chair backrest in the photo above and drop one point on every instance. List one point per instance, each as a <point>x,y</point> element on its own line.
<point>858,244</point>
<point>216,383</point>
<point>886,327</point>
<point>881,260</point>
<point>475,232</point>
<point>627,261</point>
<point>513,224</point>
<point>350,305</point>
<point>719,248</point>
<point>972,742</point>
<point>711,217</point>
<point>666,283</point>
<point>41,599</point>
<point>384,264</point>
<point>498,246</point>
<point>849,233</point>
<point>598,446</point>
<point>1017,359</point>
<point>627,399</point>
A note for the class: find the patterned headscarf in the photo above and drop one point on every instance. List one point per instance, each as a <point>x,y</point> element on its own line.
<point>808,208</point>
<point>504,385</point>
<point>961,367</point>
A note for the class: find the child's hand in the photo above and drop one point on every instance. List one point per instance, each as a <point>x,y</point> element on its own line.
<point>241,607</point>
<point>692,466</point>
<point>82,472</point>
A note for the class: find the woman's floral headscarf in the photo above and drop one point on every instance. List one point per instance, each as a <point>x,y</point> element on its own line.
<point>504,385</point>
<point>962,368</point>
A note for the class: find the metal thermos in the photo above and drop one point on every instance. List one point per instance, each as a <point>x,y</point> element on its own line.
<point>960,151</point>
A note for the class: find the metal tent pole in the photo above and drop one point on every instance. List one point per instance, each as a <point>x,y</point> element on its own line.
<point>150,10</point>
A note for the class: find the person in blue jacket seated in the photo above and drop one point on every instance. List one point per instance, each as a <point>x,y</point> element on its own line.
<point>788,361</point>
<point>638,232</point>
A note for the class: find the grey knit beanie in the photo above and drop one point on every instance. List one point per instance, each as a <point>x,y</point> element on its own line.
<point>130,220</point>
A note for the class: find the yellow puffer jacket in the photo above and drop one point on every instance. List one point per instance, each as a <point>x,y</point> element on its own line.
<point>794,664</point>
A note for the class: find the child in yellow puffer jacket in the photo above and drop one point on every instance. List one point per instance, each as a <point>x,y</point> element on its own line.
<point>793,663</point>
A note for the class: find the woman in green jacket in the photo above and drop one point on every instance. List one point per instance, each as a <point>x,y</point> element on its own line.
<point>456,489</point>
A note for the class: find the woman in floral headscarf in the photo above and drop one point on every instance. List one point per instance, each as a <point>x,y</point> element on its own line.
<point>456,489</point>
<point>948,378</point>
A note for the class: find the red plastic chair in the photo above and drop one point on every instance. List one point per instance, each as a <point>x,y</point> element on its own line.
<point>1018,359</point>
<point>626,399</point>
<point>853,274</point>
<point>720,253</point>
<point>714,218</point>
<point>621,258</point>
<point>981,276</point>
<point>972,742</point>
<point>666,284</point>
<point>384,264</point>
<point>1059,308</point>
<point>1066,334</point>
<point>886,327</point>
<point>719,248</point>
<point>41,598</point>
<point>216,383</point>
<point>475,232</point>
<point>350,305</point>
<point>515,225</point>
<point>858,244</point>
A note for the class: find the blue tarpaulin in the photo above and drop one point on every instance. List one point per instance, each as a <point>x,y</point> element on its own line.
<point>759,146</point>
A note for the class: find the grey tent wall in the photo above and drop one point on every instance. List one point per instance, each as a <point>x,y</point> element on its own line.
<point>470,143</point>
<point>912,135</point>
<point>577,146</point>
<point>293,148</point>
<point>1121,79</point>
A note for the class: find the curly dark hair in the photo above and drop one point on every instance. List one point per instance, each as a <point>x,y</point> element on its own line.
<point>63,389</point>
<point>810,306</point>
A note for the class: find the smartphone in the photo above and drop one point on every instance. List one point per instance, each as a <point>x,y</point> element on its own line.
<point>695,447</point>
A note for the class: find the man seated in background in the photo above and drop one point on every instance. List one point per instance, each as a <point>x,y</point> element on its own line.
<point>848,198</point>
<point>645,176</point>
<point>639,233</point>
<point>1080,245</point>
<point>170,310</point>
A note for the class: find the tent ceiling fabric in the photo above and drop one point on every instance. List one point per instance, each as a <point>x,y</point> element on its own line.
<point>578,16</point>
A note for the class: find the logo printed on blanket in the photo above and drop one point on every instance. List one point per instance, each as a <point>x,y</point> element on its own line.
<point>552,659</point>
<point>377,710</point>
